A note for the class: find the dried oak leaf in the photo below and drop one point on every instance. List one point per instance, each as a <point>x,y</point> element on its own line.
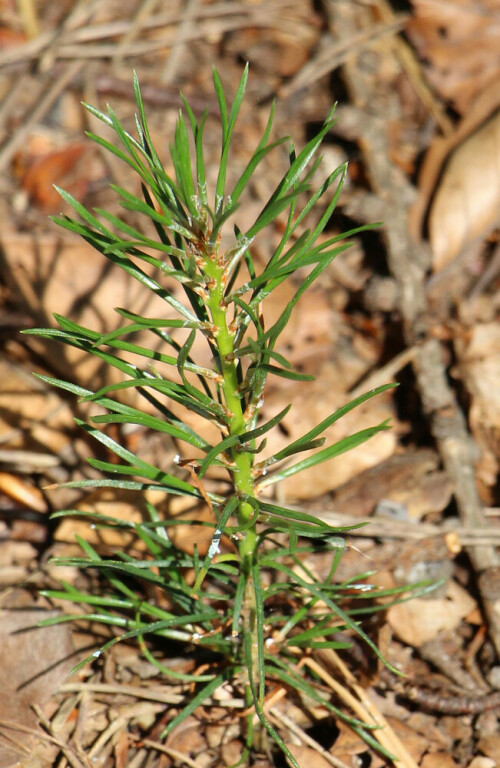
<point>466,205</point>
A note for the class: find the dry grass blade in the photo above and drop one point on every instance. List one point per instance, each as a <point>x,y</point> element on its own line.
<point>363,707</point>
<point>117,726</point>
<point>127,690</point>
<point>179,757</point>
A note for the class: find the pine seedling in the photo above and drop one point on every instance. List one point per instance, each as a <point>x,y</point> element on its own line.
<point>235,611</point>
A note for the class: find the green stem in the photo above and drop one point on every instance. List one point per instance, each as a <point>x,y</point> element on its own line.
<point>242,473</point>
<point>243,479</point>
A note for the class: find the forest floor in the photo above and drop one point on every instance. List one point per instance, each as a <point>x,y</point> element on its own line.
<point>414,301</point>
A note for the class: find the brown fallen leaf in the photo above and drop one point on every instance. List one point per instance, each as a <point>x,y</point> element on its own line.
<point>10,38</point>
<point>411,479</point>
<point>467,202</point>
<point>53,272</point>
<point>43,172</point>
<point>308,756</point>
<point>312,402</point>
<point>282,53</point>
<point>421,620</point>
<point>33,663</point>
<point>347,745</point>
<point>439,760</point>
<point>116,503</point>
<point>485,105</point>
<point>188,738</point>
<point>232,751</point>
<point>490,747</point>
<point>18,490</point>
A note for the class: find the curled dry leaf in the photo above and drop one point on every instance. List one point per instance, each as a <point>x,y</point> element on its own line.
<point>467,202</point>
